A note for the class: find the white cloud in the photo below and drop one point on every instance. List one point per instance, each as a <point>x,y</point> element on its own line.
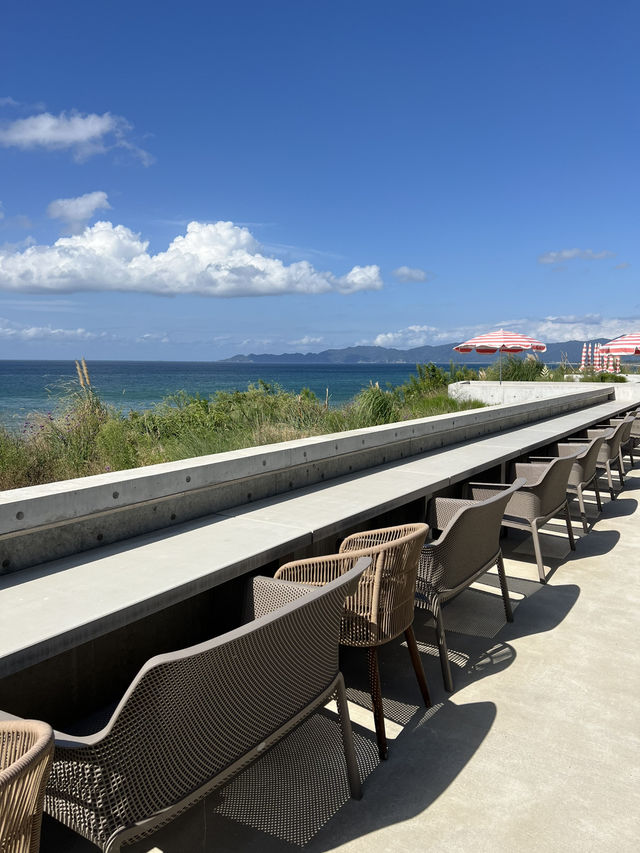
<point>1,210</point>
<point>411,336</point>
<point>306,341</point>
<point>76,212</point>
<point>218,259</point>
<point>85,135</point>
<point>410,274</point>
<point>153,338</point>
<point>9,102</point>
<point>570,254</point>
<point>578,328</point>
<point>623,266</point>
<point>550,329</point>
<point>17,332</point>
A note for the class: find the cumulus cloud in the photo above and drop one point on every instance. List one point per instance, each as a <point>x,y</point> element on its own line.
<point>17,332</point>
<point>411,336</point>
<point>76,212</point>
<point>577,327</point>
<point>570,254</point>
<point>85,135</point>
<point>410,274</point>
<point>211,259</point>
<point>306,341</point>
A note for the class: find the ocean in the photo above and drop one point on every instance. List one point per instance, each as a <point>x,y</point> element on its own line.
<point>36,386</point>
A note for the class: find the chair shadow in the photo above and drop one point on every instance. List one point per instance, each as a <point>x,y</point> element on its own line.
<point>284,803</point>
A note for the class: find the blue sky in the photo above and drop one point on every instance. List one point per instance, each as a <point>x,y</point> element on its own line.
<point>194,181</point>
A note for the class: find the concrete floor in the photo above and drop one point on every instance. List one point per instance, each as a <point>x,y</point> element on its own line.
<point>538,749</point>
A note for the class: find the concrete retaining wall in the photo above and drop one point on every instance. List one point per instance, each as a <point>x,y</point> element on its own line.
<point>42,523</point>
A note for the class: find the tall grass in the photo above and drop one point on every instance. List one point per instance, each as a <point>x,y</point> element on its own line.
<point>83,436</point>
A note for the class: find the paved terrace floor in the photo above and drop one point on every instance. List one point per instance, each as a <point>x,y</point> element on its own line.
<point>537,750</point>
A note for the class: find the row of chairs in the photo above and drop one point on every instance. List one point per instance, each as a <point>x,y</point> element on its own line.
<point>384,575</point>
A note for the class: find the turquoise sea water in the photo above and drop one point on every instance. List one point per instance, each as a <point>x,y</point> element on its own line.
<point>35,386</point>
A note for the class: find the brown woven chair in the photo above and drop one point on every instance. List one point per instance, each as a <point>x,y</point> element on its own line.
<point>543,496</point>
<point>584,472</point>
<point>627,437</point>
<point>382,607</point>
<point>609,455</point>
<point>193,719</point>
<point>26,749</point>
<point>467,548</point>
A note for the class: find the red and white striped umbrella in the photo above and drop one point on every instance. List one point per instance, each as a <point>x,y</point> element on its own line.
<point>597,358</point>
<point>625,345</point>
<point>590,357</point>
<point>501,341</point>
<point>617,364</point>
<point>583,362</point>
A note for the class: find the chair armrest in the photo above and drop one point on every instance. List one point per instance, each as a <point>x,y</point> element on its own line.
<point>533,459</point>
<point>265,595</point>
<point>317,571</point>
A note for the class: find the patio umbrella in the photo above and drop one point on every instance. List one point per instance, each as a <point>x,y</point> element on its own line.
<point>500,342</point>
<point>583,362</point>
<point>624,345</point>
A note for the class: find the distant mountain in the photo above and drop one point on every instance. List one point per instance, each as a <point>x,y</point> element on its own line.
<point>572,350</point>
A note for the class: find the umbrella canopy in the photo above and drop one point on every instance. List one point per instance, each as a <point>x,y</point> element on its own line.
<point>625,345</point>
<point>583,363</point>
<point>501,341</point>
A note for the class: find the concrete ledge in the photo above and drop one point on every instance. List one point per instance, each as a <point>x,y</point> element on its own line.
<point>60,519</point>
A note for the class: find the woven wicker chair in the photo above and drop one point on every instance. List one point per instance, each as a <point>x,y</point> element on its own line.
<point>543,496</point>
<point>584,473</point>
<point>193,719</point>
<point>468,547</point>
<point>26,749</point>
<point>383,605</point>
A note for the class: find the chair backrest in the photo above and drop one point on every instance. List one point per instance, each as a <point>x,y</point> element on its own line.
<point>611,444</point>
<point>541,497</point>
<point>584,465</point>
<point>26,749</point>
<point>383,605</point>
<point>190,715</point>
<point>471,540</point>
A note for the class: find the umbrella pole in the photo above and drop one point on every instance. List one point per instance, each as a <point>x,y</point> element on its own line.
<point>500,362</point>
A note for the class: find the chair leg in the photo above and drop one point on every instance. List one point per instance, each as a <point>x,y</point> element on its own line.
<point>410,637</point>
<point>620,463</point>
<point>538,553</point>
<point>443,650</point>
<point>508,612</point>
<point>621,472</point>
<point>583,514</point>
<point>596,488</point>
<point>376,700</point>
<point>610,480</point>
<point>572,541</point>
<point>353,773</point>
